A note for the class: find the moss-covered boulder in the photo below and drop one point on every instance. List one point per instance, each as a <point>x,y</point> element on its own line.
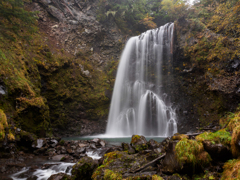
<point>110,175</point>
<point>84,168</point>
<point>222,136</point>
<point>191,156</point>
<point>231,170</point>
<point>144,177</point>
<point>33,114</point>
<point>139,143</point>
<point>217,144</point>
<point>121,163</point>
<point>178,136</point>
<point>25,140</point>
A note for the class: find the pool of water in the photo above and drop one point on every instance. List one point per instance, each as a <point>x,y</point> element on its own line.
<point>111,140</point>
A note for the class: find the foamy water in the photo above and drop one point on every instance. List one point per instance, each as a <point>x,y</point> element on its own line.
<point>57,167</point>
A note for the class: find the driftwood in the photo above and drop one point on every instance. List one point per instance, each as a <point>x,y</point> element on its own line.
<point>193,134</point>
<point>148,164</point>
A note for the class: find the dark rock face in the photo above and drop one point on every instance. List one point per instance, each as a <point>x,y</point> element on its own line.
<point>72,26</point>
<point>199,101</point>
<point>218,152</point>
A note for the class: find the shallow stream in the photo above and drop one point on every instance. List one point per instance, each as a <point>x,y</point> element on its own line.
<point>46,168</point>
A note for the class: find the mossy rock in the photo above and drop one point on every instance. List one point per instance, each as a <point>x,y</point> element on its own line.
<point>191,154</point>
<point>222,136</point>
<point>179,137</point>
<point>84,169</point>
<point>110,175</point>
<point>144,177</point>
<point>33,115</point>
<point>231,170</point>
<point>139,143</point>
<point>25,140</point>
<point>156,177</point>
<point>120,162</point>
<point>3,125</point>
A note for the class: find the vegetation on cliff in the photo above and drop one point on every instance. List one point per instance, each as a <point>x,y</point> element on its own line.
<point>37,78</point>
<point>134,17</point>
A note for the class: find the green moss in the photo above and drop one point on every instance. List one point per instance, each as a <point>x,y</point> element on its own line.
<point>231,170</point>
<point>141,147</point>
<point>110,175</point>
<point>63,159</point>
<point>156,177</point>
<point>138,143</point>
<point>119,163</point>
<point>3,125</point>
<point>221,136</point>
<point>135,138</point>
<point>179,136</point>
<point>191,152</point>
<point>61,142</point>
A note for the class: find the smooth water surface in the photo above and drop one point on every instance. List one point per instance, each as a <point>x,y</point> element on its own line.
<point>116,141</point>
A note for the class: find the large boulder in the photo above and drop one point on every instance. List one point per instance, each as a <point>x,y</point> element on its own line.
<point>84,169</point>
<point>218,152</point>
<point>121,163</point>
<point>185,156</point>
<point>139,143</point>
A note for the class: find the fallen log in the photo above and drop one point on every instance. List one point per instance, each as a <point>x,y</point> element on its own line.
<point>148,164</point>
<point>194,134</point>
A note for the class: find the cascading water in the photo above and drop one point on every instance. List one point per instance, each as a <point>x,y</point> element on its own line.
<point>138,105</point>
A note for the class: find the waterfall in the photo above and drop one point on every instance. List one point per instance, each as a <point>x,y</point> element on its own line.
<point>138,103</point>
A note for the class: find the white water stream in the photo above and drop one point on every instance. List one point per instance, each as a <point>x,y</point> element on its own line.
<point>138,105</point>
<point>55,168</point>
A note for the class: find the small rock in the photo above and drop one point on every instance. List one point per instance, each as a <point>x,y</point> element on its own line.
<point>82,145</point>
<point>70,151</point>
<point>57,157</point>
<point>81,150</point>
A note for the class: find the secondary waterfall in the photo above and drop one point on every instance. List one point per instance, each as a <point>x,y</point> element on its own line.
<point>138,104</point>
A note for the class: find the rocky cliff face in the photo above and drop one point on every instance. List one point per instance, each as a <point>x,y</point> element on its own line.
<point>201,97</point>
<point>72,25</point>
<point>65,85</point>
